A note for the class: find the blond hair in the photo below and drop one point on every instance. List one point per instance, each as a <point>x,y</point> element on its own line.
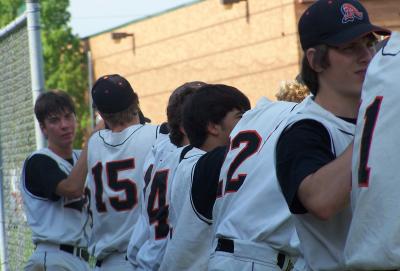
<point>292,91</point>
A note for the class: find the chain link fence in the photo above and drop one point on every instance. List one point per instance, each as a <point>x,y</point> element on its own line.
<point>17,139</point>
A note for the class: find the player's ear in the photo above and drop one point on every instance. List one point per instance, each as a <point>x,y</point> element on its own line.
<point>43,128</point>
<point>310,55</point>
<point>213,129</point>
<point>182,130</point>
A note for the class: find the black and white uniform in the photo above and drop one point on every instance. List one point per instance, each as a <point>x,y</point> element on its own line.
<point>373,242</point>
<point>313,138</point>
<point>253,226</point>
<point>58,224</point>
<point>115,167</point>
<point>150,235</point>
<point>180,253</point>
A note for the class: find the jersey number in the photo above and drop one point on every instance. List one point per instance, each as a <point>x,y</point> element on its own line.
<point>252,140</point>
<point>126,185</point>
<point>159,215</point>
<point>371,115</point>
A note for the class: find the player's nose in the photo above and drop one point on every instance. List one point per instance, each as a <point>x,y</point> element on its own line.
<point>64,123</point>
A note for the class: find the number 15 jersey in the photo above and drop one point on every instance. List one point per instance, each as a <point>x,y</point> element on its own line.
<point>115,171</point>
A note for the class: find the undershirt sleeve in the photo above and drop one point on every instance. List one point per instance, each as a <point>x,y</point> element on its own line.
<point>205,182</point>
<point>302,149</point>
<point>42,175</point>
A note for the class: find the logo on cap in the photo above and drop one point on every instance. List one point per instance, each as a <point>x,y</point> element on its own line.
<point>350,13</point>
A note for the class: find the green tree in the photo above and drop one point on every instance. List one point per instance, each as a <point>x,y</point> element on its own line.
<point>9,10</point>
<point>64,60</point>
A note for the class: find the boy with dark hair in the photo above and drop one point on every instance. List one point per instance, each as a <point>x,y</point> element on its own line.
<point>208,115</point>
<point>52,183</point>
<point>174,111</point>
<point>208,118</point>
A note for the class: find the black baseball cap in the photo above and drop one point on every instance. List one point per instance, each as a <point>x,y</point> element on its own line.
<point>112,94</point>
<point>335,22</point>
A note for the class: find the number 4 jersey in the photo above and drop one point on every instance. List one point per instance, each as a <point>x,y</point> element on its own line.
<point>115,168</point>
<point>373,241</point>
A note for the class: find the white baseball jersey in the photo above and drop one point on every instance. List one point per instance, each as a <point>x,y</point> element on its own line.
<point>115,168</point>
<point>141,229</point>
<point>146,252</point>
<point>250,207</point>
<point>180,253</point>
<point>322,242</point>
<point>56,222</point>
<point>373,241</point>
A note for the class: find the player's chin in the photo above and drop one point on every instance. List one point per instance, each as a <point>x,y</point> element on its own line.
<point>67,140</point>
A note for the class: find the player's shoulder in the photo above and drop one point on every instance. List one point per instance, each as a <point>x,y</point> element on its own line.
<point>189,153</point>
<point>155,132</point>
<point>266,112</point>
<point>205,181</point>
<point>209,165</point>
<point>38,159</point>
<point>163,149</point>
<point>45,154</point>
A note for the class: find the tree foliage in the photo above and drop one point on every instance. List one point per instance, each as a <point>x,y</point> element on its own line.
<point>9,10</point>
<point>64,60</point>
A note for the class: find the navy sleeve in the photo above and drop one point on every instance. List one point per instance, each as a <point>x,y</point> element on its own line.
<point>164,129</point>
<point>42,175</point>
<point>301,150</point>
<point>205,182</point>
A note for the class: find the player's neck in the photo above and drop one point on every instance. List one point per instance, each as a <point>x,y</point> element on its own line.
<point>120,127</point>
<point>210,144</point>
<point>63,152</point>
<point>185,141</point>
<point>339,105</point>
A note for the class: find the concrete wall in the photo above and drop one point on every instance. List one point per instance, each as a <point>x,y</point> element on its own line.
<point>252,46</point>
<point>204,41</point>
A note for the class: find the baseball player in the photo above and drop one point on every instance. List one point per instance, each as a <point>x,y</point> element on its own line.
<point>208,117</point>
<point>253,228</point>
<point>150,235</point>
<point>52,185</point>
<point>115,162</point>
<point>372,242</point>
<point>313,154</point>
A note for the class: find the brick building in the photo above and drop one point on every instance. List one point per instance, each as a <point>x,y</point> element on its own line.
<point>252,46</point>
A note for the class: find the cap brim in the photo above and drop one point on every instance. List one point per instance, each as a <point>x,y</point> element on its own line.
<point>354,33</point>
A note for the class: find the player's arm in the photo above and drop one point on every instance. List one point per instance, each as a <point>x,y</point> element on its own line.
<point>43,178</point>
<point>73,185</point>
<point>327,191</point>
<point>311,177</point>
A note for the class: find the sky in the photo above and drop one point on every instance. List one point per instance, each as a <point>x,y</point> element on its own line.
<point>89,17</point>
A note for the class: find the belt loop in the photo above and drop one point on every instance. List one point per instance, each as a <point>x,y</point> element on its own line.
<point>99,262</point>
<point>281,260</point>
<point>225,245</point>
